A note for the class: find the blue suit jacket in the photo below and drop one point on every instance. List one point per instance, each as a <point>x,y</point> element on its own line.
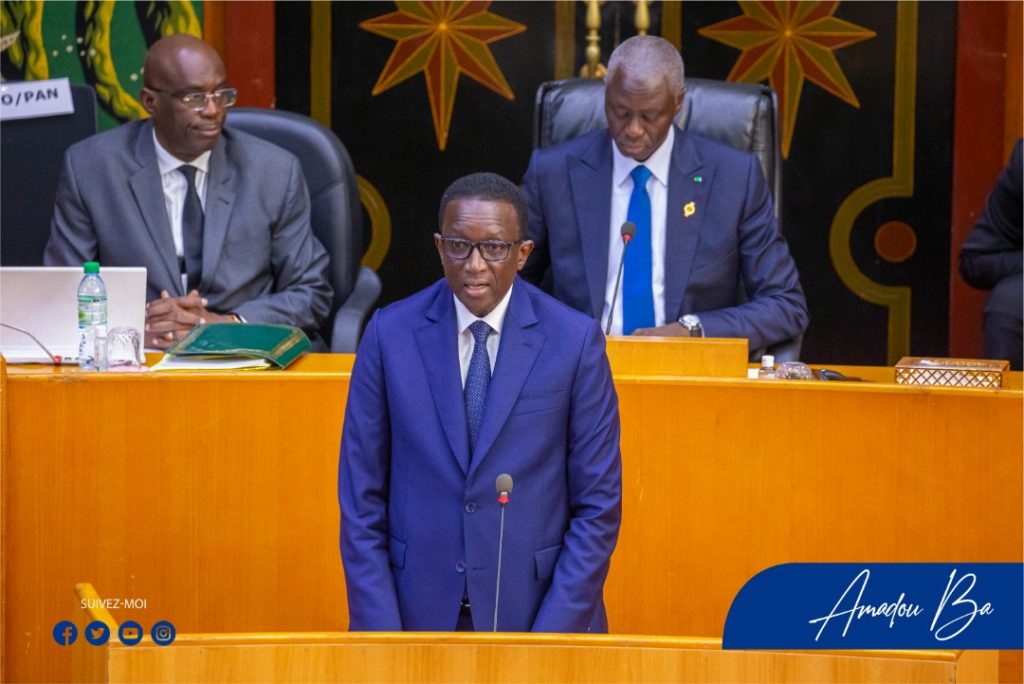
<point>727,262</point>
<point>420,516</point>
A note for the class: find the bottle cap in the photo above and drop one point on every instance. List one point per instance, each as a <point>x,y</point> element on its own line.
<point>91,267</point>
<point>751,374</point>
<point>767,361</point>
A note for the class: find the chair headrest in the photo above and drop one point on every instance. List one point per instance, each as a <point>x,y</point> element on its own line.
<point>741,115</point>
<point>324,159</point>
<point>723,111</point>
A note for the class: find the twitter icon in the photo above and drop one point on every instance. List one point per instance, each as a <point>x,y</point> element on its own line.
<point>97,633</point>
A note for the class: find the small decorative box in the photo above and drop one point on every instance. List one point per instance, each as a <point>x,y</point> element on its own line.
<point>916,370</point>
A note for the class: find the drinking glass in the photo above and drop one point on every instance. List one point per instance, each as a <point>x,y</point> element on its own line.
<point>124,350</point>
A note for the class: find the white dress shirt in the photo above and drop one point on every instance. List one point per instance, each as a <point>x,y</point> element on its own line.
<point>175,189</point>
<point>622,187</point>
<point>464,318</point>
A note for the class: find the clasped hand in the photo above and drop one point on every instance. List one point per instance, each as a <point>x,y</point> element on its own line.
<point>168,319</point>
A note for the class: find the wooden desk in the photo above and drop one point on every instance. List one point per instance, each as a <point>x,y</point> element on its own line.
<point>213,496</point>
<point>424,658</point>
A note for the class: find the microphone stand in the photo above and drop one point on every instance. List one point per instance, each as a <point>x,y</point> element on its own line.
<point>502,499</point>
<point>618,280</point>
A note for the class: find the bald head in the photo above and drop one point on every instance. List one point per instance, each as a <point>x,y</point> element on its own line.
<point>175,66</point>
<point>177,58</point>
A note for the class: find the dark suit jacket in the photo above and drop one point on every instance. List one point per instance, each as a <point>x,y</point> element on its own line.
<point>420,516</point>
<point>260,258</point>
<point>727,262</point>
<point>992,251</point>
<point>992,258</point>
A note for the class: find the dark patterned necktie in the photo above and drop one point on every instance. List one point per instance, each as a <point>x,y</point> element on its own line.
<point>478,379</point>
<point>192,228</point>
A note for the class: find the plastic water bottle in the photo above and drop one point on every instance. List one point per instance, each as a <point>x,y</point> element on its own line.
<point>92,312</point>
<point>767,371</point>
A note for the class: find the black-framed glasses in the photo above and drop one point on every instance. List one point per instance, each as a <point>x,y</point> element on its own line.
<point>222,97</point>
<point>490,250</point>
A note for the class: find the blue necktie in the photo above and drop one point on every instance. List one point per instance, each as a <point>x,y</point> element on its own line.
<point>637,295</point>
<point>478,379</point>
<point>192,228</point>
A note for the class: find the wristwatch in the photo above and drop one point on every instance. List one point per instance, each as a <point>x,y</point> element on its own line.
<point>692,323</point>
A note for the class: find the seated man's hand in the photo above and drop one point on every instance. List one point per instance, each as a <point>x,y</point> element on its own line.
<point>168,319</point>
<point>668,330</point>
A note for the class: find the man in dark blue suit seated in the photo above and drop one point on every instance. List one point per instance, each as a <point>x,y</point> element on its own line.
<point>991,258</point>
<point>479,375</point>
<point>707,258</point>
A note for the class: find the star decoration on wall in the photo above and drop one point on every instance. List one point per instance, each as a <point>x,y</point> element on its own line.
<point>787,43</point>
<point>443,40</point>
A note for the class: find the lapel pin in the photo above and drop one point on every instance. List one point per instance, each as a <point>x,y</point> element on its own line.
<point>698,179</point>
<point>689,209</point>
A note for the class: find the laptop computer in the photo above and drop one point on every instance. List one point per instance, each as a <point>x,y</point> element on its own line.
<point>43,300</point>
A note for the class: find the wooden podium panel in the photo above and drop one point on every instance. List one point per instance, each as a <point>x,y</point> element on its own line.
<point>213,496</point>
<point>716,357</point>
<point>723,479</point>
<point>399,658</point>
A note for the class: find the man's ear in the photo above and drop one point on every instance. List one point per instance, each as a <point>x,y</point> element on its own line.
<point>148,99</point>
<point>525,248</point>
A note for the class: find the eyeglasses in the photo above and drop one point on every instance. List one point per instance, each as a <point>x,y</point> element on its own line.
<point>491,250</point>
<point>225,97</point>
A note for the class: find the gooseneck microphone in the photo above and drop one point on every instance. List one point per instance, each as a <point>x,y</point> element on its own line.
<point>627,231</point>
<point>503,485</point>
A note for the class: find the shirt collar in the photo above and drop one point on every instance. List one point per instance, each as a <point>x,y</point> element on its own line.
<point>168,162</point>
<point>495,319</point>
<point>658,163</point>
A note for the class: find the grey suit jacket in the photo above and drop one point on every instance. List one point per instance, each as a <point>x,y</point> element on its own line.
<point>260,258</point>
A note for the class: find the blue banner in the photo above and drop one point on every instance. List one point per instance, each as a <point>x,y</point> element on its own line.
<point>947,606</point>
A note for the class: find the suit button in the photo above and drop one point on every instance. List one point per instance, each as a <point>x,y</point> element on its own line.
<point>471,507</point>
<point>460,566</point>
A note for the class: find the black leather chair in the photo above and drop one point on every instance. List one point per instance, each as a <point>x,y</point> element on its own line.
<point>741,115</point>
<point>33,154</point>
<point>335,214</point>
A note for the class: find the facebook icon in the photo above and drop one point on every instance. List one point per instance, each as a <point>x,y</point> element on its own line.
<point>65,633</point>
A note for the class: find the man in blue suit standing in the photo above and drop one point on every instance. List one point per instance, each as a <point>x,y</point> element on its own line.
<point>707,258</point>
<point>478,375</point>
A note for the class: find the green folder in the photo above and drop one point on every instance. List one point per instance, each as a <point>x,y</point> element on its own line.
<point>277,344</point>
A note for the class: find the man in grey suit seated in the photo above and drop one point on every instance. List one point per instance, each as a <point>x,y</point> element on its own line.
<point>219,218</point>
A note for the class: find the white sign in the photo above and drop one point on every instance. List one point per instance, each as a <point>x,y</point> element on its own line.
<point>32,99</point>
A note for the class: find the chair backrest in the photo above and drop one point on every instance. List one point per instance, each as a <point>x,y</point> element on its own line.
<point>335,214</point>
<point>33,153</point>
<point>741,115</point>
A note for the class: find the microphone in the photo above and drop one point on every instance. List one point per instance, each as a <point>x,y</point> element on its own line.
<point>627,231</point>
<point>503,485</point>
